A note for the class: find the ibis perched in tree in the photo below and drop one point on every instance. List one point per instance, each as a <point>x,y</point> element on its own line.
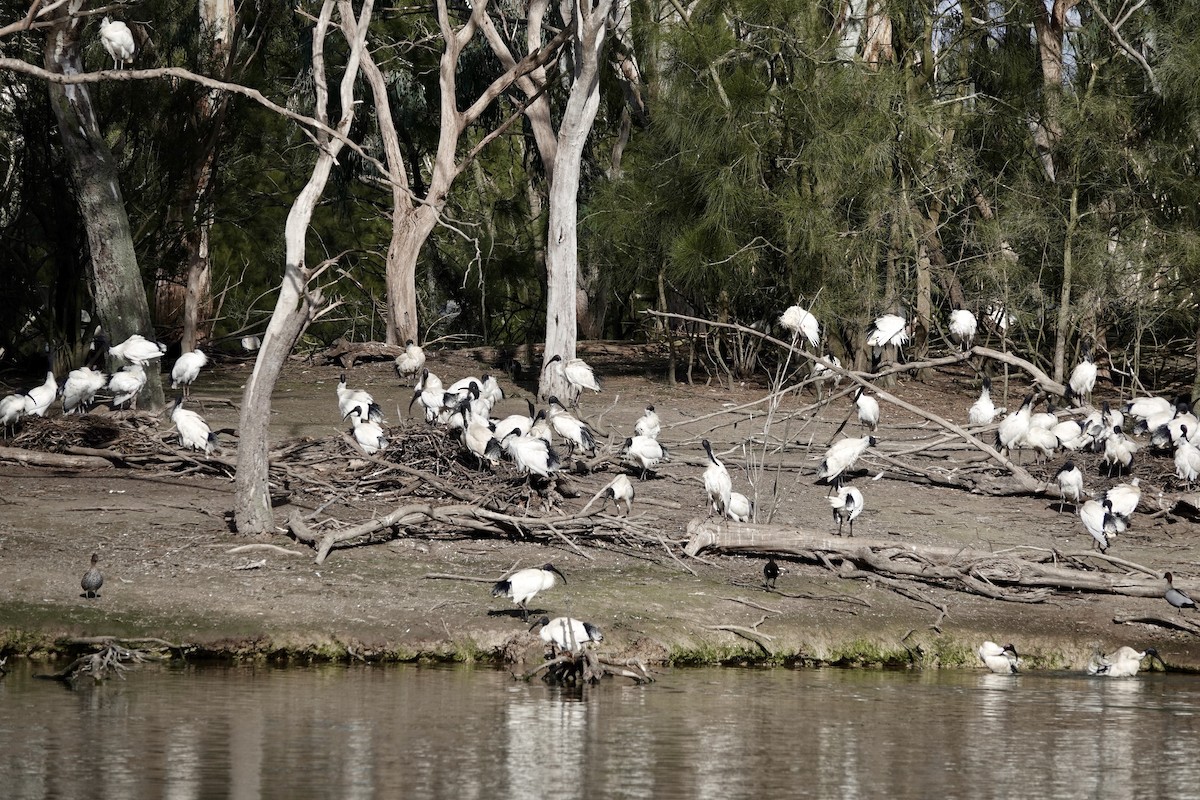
<point>92,579</point>
<point>847,505</point>
<point>648,424</point>
<point>643,452</point>
<point>983,410</point>
<point>868,409</point>
<point>717,483</point>
<point>962,327</point>
<point>117,40</point>
<point>136,349</point>
<point>80,389</point>
<point>521,586</point>
<point>186,369</point>
<point>621,491</point>
<point>1002,660</point>
<point>577,374</point>
<point>126,384</point>
<point>1177,597</point>
<point>800,322</point>
<point>1070,484</point>
<point>39,398</point>
<point>411,361</point>
<point>368,434</point>
<point>840,457</point>
<point>566,633</point>
<point>194,432</point>
<point>1123,663</point>
<point>368,409</point>
<point>889,329</point>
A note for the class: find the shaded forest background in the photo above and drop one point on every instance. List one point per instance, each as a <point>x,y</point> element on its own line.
<point>1034,161</point>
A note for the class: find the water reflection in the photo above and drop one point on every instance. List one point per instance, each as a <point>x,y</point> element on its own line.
<point>461,733</point>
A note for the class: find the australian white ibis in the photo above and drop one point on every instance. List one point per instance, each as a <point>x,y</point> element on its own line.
<point>521,586</point>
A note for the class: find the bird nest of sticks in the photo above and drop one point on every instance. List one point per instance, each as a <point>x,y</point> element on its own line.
<point>135,433</point>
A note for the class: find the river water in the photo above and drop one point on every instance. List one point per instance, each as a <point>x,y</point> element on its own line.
<point>413,732</point>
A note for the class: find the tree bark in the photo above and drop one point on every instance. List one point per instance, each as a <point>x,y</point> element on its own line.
<point>117,286</point>
<point>297,303</point>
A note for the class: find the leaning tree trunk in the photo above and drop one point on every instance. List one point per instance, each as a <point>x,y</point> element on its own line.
<point>116,280</point>
<point>297,303</point>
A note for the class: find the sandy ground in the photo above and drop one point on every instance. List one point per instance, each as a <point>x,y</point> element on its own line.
<point>164,542</point>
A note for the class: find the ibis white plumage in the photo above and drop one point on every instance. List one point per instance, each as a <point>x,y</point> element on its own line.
<point>741,508</point>
<point>137,349</point>
<point>868,409</point>
<point>566,633</point>
<point>643,452</point>
<point>801,323</point>
<point>80,389</point>
<point>431,394</point>
<point>983,410</point>
<point>1083,377</point>
<point>480,441</point>
<point>117,40</point>
<point>1000,659</point>
<point>368,434</point>
<point>251,343</point>
<point>621,491</point>
<point>889,330</point>
<point>186,369</point>
<point>717,483</point>
<point>840,457</point>
<point>847,505</point>
<point>1070,484</point>
<point>523,585</point>
<point>531,454</point>
<point>576,432</point>
<point>824,373</point>
<point>1098,519</point>
<point>194,432</point>
<point>1124,497</point>
<point>11,409</point>
<point>348,399</point>
<point>411,361</point>
<point>39,398</point>
<point>127,384</point>
<point>1013,428</point>
<point>963,326</point>
<point>1187,461</point>
<point>577,374</point>
<point>1123,663</point>
<point>1119,451</point>
<point>648,424</point>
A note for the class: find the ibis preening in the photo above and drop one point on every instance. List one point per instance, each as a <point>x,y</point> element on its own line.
<point>1124,663</point>
<point>194,432</point>
<point>1070,484</point>
<point>532,454</point>
<point>643,452</point>
<point>823,374</point>
<point>11,409</point>
<point>648,424</point>
<point>1146,407</point>
<point>1119,451</point>
<point>368,434</point>
<point>1083,377</point>
<point>741,508</point>
<point>847,505</point>
<point>187,369</point>
<point>521,586</point>
<point>368,409</point>
<point>868,409</point>
<point>411,361</point>
<point>127,384</point>
<point>480,441</point>
<point>430,392</point>
<point>1124,497</point>
<point>39,398</point>
<point>80,389</point>
<point>92,579</point>
<point>1100,522</point>
<point>717,483</point>
<point>800,322</point>
<point>576,433</point>
<point>962,327</point>
<point>983,410</point>
<point>577,374</point>
<point>1177,597</point>
<point>621,491</point>
<point>770,573</point>
<point>1187,461</point>
<point>1002,660</point>
<point>117,40</point>
<point>890,329</point>
<point>137,349</point>
<point>840,457</point>
<point>1012,429</point>
<point>567,633</point>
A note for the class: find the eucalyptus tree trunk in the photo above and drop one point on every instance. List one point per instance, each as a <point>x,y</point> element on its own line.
<point>116,280</point>
<point>298,303</point>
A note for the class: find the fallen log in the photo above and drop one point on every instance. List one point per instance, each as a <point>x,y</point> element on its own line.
<point>1004,576</point>
<point>38,458</point>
